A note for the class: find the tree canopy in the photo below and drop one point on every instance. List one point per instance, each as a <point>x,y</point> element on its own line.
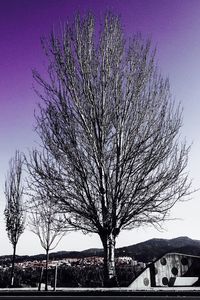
<point>111,127</point>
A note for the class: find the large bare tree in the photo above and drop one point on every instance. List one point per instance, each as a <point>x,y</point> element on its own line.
<point>14,211</point>
<point>108,119</point>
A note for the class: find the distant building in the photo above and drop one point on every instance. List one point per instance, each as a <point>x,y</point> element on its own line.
<point>172,269</point>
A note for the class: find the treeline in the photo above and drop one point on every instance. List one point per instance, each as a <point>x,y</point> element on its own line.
<point>68,276</point>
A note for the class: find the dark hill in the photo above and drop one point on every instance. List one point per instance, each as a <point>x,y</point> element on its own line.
<point>145,251</point>
<point>154,248</point>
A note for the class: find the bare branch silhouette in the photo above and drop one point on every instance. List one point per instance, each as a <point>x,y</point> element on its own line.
<point>14,211</point>
<point>108,119</point>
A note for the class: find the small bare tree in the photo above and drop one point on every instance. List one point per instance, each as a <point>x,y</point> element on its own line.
<point>14,211</point>
<point>46,222</point>
<point>108,119</point>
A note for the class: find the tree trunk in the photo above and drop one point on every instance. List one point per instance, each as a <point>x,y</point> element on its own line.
<point>40,282</point>
<point>55,277</point>
<point>110,278</point>
<point>46,277</point>
<point>13,266</point>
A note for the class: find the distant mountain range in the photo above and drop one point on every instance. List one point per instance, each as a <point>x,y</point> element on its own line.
<point>152,249</point>
<point>145,252</point>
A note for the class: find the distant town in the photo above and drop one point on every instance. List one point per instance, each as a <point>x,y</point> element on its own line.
<point>78,262</point>
<point>74,272</point>
<point>85,268</point>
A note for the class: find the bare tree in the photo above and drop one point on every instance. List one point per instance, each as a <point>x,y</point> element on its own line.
<point>108,118</point>
<point>14,211</point>
<point>46,222</point>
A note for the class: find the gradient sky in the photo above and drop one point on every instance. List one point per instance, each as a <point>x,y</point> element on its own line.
<point>173,25</point>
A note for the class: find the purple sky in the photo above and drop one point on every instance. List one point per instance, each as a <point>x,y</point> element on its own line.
<point>173,25</point>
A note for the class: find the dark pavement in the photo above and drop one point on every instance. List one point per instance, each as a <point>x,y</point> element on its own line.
<point>158,295</point>
<point>178,297</point>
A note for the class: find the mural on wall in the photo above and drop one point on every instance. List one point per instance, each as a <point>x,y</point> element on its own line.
<point>172,269</point>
